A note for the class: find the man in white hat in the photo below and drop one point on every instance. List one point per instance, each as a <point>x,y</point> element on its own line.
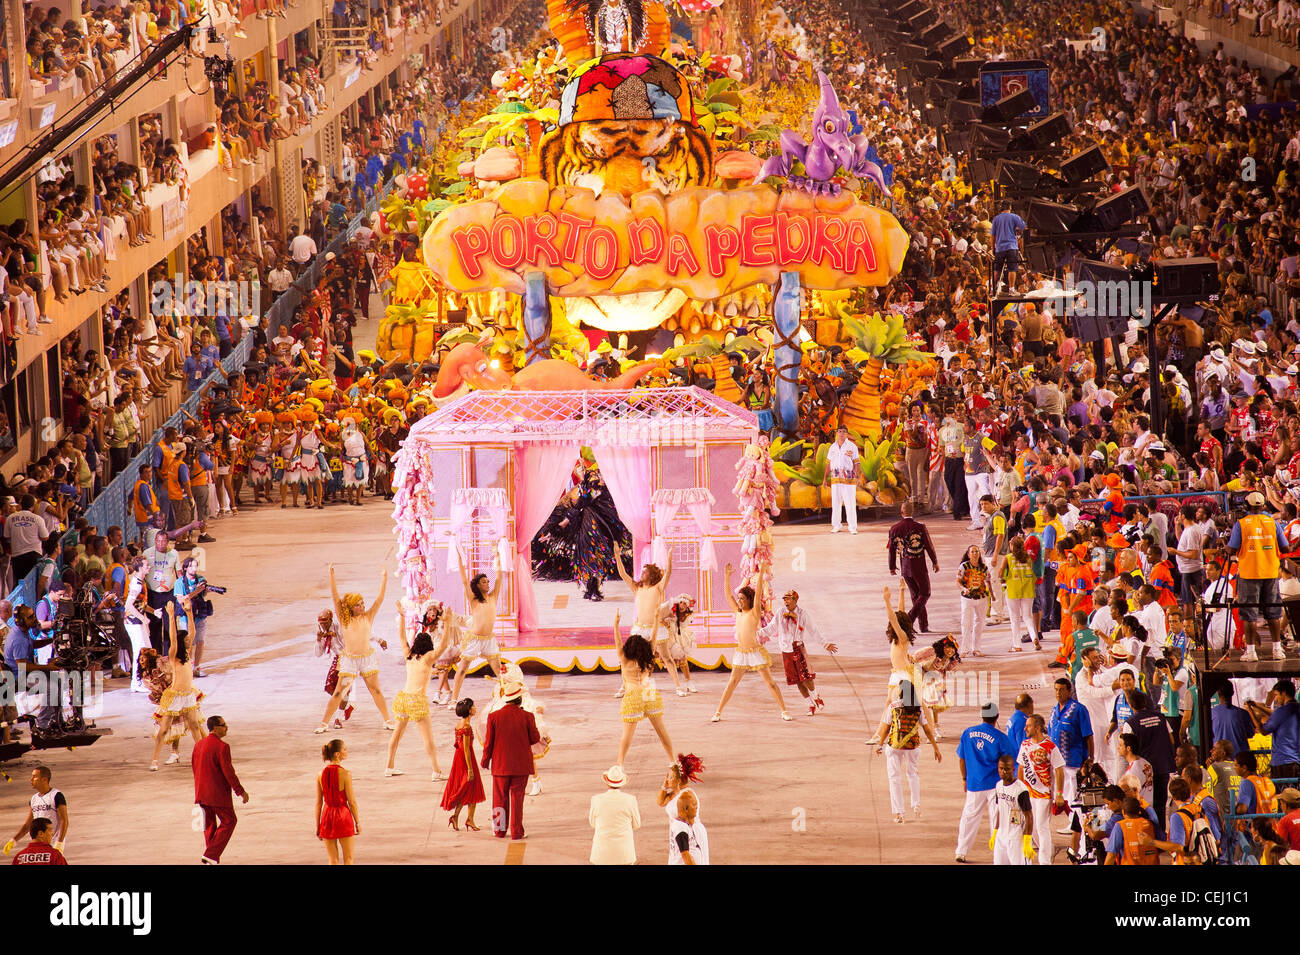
<point>614,815</point>
<point>1258,542</point>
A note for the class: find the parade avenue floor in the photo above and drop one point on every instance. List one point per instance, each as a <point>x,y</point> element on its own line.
<point>807,792</point>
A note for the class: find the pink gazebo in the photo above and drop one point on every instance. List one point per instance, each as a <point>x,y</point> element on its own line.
<point>488,469</point>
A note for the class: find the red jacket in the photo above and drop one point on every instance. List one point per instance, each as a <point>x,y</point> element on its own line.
<point>214,775</point>
<point>508,749</point>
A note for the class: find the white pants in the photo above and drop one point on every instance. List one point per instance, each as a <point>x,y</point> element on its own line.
<point>1021,612</point>
<point>969,829</point>
<point>1070,791</point>
<point>972,623</point>
<point>1009,850</point>
<point>977,485</point>
<point>138,634</point>
<point>997,595</point>
<point>898,762</point>
<point>1042,832</point>
<point>846,496</point>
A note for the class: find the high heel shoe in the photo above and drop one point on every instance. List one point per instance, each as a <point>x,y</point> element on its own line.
<point>451,823</point>
<point>471,827</point>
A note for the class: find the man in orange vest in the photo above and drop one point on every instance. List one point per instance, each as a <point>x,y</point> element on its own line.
<point>1132,841</point>
<point>143,504</point>
<point>1258,543</point>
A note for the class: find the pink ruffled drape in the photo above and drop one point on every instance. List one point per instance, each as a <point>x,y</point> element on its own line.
<point>626,471</point>
<point>541,475</point>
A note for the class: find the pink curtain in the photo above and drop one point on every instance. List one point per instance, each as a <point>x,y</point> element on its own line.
<point>626,471</point>
<point>541,474</point>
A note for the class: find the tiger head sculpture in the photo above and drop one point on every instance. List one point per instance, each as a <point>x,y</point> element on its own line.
<point>627,124</point>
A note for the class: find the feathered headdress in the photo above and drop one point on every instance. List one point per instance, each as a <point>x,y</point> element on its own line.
<point>689,766</point>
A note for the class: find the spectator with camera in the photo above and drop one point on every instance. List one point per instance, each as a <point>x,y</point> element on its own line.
<point>193,608</point>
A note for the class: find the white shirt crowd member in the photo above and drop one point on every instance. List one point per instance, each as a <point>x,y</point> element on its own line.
<point>687,837</point>
<point>842,470</point>
<point>1014,811</point>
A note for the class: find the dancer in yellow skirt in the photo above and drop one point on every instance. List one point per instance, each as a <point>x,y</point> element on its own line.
<point>411,705</point>
<point>180,701</point>
<point>750,654</point>
<point>641,700</point>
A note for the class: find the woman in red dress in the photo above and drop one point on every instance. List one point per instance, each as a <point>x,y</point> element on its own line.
<point>465,787</point>
<point>337,820</point>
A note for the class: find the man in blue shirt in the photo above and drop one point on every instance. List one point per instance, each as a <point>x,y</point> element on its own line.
<point>20,660</point>
<point>1007,227</point>
<point>1230,722</point>
<point>1283,723</point>
<point>1016,725</point>
<point>1070,728</point>
<point>977,756</point>
<point>196,368</point>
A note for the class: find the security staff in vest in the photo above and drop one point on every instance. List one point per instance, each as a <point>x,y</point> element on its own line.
<point>1258,543</point>
<point>144,505</point>
<point>177,482</point>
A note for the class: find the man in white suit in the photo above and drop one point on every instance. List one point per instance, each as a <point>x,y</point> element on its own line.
<point>614,815</point>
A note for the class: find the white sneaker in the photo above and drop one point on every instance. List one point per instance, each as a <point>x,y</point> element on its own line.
<point>536,789</point>
<point>1279,651</point>
<point>835,530</point>
<point>393,772</point>
<point>1250,656</point>
<point>45,320</point>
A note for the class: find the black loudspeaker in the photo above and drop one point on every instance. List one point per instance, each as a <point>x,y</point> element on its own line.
<point>1051,218</point>
<point>967,67</point>
<point>1097,328</point>
<point>1022,177</point>
<point>1193,279</point>
<point>1008,108</point>
<point>922,69</point>
<point>964,111</point>
<point>1114,213</point>
<point>1081,167</point>
<point>940,91</point>
<point>1045,132</point>
<point>949,50</point>
<point>1094,271</point>
<point>908,10</point>
<point>990,137</point>
<point>933,35</point>
<point>1045,257</point>
<point>457,316</point>
<point>910,52</point>
<point>982,171</point>
<point>923,19</point>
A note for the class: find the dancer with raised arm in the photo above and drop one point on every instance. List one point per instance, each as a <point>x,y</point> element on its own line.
<point>902,665</point>
<point>641,700</point>
<point>180,701</point>
<point>481,609</point>
<point>750,654</point>
<point>412,702</point>
<point>358,658</point>
<point>649,595</point>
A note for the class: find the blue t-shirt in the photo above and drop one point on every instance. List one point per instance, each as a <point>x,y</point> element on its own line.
<point>1016,729</point>
<point>980,747</point>
<point>1233,724</point>
<point>1284,725</point>
<point>1069,727</point>
<point>1246,796</point>
<point>223,328</point>
<point>1006,226</point>
<point>18,646</point>
<point>196,371</point>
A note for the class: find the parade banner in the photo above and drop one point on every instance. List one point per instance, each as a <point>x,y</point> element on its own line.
<point>703,242</point>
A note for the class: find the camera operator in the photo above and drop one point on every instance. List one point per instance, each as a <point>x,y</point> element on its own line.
<point>47,608</point>
<point>1174,680</point>
<point>20,659</point>
<point>163,564</point>
<point>105,608</point>
<point>192,608</point>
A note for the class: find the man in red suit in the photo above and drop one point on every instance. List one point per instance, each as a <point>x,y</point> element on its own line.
<point>508,750</point>
<point>214,779</point>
